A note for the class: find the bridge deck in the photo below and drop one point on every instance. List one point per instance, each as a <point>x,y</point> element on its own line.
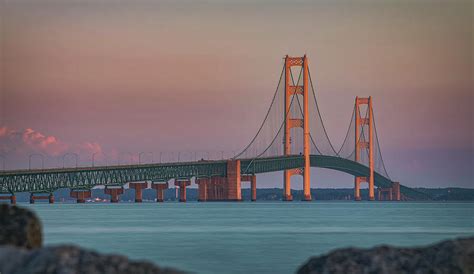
<point>48,180</point>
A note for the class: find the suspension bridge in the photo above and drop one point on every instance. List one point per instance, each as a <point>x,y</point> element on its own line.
<point>292,138</point>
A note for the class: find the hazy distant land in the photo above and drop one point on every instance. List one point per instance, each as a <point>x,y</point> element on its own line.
<point>274,194</point>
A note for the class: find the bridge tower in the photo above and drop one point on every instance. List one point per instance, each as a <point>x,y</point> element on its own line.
<point>290,91</point>
<point>364,124</point>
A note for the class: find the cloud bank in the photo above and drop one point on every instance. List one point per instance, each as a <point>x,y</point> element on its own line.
<point>15,144</point>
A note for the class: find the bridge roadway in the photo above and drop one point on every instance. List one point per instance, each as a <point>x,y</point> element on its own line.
<point>49,180</point>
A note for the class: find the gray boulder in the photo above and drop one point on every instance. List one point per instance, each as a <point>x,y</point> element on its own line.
<point>21,252</point>
<point>70,260</point>
<point>19,227</point>
<point>453,256</point>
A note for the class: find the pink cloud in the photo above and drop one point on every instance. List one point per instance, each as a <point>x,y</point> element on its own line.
<point>89,147</point>
<point>3,131</point>
<point>27,141</point>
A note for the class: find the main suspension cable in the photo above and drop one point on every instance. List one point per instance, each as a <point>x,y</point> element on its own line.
<point>265,119</point>
<point>319,113</point>
<point>347,133</point>
<point>276,135</point>
<point>378,145</point>
<point>301,111</point>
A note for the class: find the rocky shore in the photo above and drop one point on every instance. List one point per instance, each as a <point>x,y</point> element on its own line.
<point>450,257</point>
<point>70,259</point>
<point>21,251</point>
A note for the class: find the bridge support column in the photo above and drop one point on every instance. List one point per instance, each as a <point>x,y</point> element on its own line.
<point>361,144</point>
<point>202,183</point>
<point>217,189</point>
<point>306,135</point>
<point>114,193</point>
<point>138,190</point>
<point>11,197</point>
<point>211,189</point>
<point>287,187</point>
<point>291,122</point>
<point>81,195</point>
<point>391,193</point>
<point>253,185</point>
<point>233,186</point>
<point>384,194</point>
<point>396,190</point>
<point>357,182</point>
<point>49,197</point>
<point>160,187</point>
<point>182,188</point>
<point>222,188</point>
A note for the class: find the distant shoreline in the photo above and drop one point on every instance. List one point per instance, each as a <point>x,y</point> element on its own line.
<point>274,194</point>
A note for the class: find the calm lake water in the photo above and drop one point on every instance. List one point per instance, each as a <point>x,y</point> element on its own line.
<point>261,237</point>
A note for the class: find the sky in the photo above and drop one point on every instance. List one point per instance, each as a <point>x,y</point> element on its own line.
<point>118,78</point>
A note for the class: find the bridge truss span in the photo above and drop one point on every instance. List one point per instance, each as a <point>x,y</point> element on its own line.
<point>86,178</point>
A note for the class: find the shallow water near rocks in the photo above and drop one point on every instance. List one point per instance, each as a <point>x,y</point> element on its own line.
<point>261,237</point>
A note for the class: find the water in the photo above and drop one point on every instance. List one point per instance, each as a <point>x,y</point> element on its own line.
<point>262,237</point>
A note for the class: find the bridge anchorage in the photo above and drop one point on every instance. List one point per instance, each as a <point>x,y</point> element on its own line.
<point>292,138</point>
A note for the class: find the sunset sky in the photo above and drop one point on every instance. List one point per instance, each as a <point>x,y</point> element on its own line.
<point>151,76</point>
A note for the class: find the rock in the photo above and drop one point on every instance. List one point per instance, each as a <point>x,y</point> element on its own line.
<point>453,256</point>
<point>20,230</point>
<point>70,259</point>
<point>19,227</point>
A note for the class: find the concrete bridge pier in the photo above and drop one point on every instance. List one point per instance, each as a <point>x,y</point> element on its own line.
<point>182,184</point>
<point>212,189</point>
<point>396,191</point>
<point>202,184</point>
<point>253,185</point>
<point>384,194</point>
<point>217,189</point>
<point>160,187</point>
<point>11,197</point>
<point>221,188</point>
<point>233,189</point>
<point>391,193</point>
<point>49,197</point>
<point>81,195</point>
<point>138,190</point>
<point>114,193</point>
<point>287,197</point>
